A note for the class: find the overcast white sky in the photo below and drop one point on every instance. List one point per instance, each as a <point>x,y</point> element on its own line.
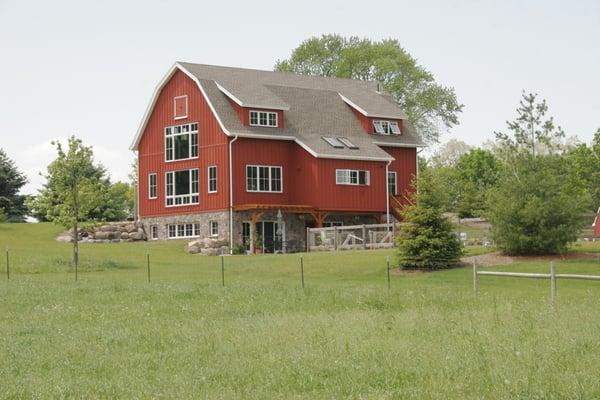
<point>89,67</point>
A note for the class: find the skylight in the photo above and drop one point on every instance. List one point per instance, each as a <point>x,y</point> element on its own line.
<point>333,142</point>
<point>347,142</point>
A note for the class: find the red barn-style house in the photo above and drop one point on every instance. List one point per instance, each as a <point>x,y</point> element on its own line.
<point>251,156</point>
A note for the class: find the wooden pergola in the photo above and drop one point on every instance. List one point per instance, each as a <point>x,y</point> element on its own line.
<point>319,216</point>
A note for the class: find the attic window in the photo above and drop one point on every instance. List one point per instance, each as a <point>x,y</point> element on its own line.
<point>263,118</point>
<point>180,107</point>
<point>333,142</point>
<point>386,127</point>
<point>347,143</point>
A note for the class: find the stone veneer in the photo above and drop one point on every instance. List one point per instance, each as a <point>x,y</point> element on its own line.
<point>295,224</point>
<point>222,217</point>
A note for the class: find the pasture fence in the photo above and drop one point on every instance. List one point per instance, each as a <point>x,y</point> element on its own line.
<point>553,276</point>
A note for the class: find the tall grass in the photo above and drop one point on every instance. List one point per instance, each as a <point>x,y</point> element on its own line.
<point>113,335</point>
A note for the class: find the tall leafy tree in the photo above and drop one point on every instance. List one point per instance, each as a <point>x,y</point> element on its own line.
<point>585,166</point>
<point>537,207</point>
<point>431,107</point>
<point>78,186</point>
<point>476,173</point>
<point>12,205</point>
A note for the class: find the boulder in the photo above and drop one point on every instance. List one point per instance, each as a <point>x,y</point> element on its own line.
<point>124,235</point>
<point>136,235</point>
<point>102,235</point>
<point>130,228</point>
<point>209,252</point>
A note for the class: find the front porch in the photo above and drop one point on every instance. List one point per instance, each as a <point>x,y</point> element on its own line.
<point>275,228</point>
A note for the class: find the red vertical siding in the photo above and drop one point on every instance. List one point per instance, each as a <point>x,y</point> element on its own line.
<point>306,180</point>
<point>405,166</point>
<point>212,150</point>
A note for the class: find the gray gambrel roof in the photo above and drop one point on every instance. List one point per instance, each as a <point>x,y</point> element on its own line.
<point>314,107</point>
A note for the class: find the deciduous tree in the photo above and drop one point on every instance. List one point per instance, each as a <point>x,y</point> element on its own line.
<point>431,107</point>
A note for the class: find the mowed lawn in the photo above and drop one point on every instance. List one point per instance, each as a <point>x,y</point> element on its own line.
<point>112,334</point>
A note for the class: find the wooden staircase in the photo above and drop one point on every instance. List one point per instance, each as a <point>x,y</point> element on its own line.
<point>396,207</point>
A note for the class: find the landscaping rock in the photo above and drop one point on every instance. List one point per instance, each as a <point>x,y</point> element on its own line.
<point>113,232</point>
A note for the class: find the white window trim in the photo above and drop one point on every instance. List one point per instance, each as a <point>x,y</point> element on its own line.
<point>258,185</point>
<point>208,179</point>
<point>150,186</point>
<point>389,124</point>
<point>185,96</point>
<point>174,196</point>
<point>258,118</point>
<point>395,182</point>
<point>358,171</point>
<point>210,228</point>
<point>152,228</point>
<point>195,233</point>
<point>197,132</point>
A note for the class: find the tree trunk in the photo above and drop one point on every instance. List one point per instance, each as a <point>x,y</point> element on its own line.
<point>75,228</point>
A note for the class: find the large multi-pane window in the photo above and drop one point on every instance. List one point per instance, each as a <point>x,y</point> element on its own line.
<point>152,186</point>
<point>263,178</point>
<point>263,118</point>
<point>351,177</point>
<point>392,183</point>
<point>182,187</point>
<point>178,231</point>
<point>181,142</point>
<point>212,179</point>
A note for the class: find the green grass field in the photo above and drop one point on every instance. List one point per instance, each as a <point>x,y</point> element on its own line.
<point>112,334</point>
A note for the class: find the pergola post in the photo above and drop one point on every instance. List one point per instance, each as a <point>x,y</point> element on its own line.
<point>256,215</point>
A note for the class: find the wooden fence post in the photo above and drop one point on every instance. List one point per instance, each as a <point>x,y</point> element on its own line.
<point>148,264</point>
<point>553,283</point>
<point>388,272</point>
<point>222,271</point>
<point>335,238</point>
<point>475,280</point>
<point>302,270</point>
<point>7,265</point>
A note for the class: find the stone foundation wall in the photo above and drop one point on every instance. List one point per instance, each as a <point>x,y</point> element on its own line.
<point>203,219</point>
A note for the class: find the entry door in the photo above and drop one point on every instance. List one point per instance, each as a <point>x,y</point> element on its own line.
<point>267,234</point>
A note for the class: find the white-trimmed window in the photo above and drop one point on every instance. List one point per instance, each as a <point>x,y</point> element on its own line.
<point>352,177</point>
<point>263,118</point>
<point>181,142</point>
<point>152,186</point>
<point>330,224</point>
<point>182,187</point>
<point>154,232</point>
<point>212,179</point>
<point>180,231</point>
<point>383,127</point>
<point>392,183</point>
<point>264,178</point>
<point>213,228</point>
<point>180,107</point>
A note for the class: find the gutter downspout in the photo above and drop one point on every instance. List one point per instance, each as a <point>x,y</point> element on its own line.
<point>231,195</point>
<point>137,186</point>
<point>387,194</point>
<point>417,170</point>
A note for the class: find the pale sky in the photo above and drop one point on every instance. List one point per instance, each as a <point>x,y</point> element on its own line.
<point>89,67</point>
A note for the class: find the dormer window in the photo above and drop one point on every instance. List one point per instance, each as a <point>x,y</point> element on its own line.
<point>386,127</point>
<point>263,118</point>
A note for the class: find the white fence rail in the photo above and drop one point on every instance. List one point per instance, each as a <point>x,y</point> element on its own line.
<point>350,237</point>
<point>553,276</point>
